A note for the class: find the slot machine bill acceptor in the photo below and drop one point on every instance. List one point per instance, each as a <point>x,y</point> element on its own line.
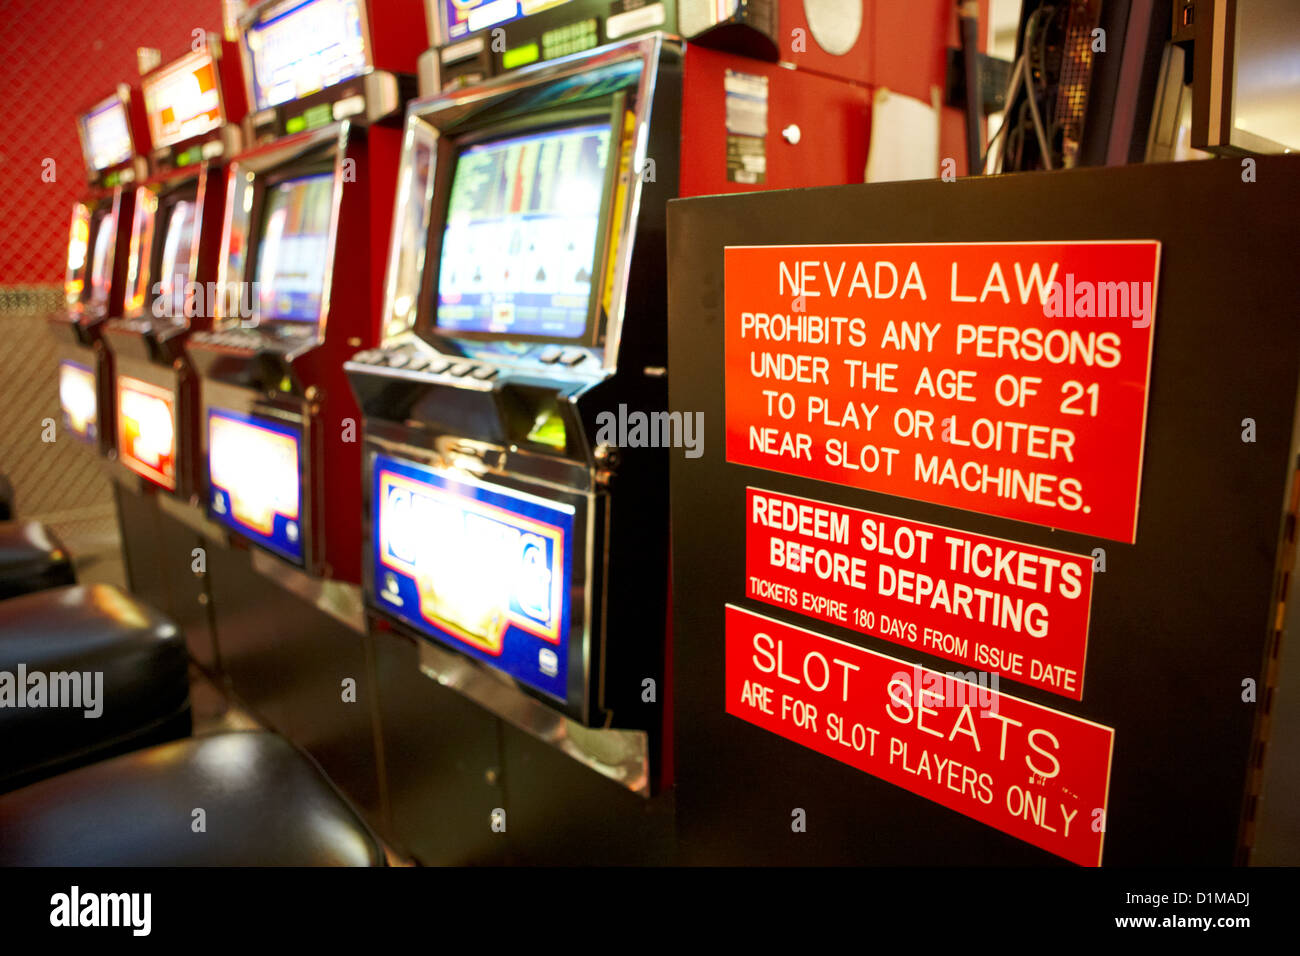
<point>304,199</point>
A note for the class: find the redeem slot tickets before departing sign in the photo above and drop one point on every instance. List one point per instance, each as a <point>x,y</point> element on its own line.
<point>996,605</point>
<point>1008,379</point>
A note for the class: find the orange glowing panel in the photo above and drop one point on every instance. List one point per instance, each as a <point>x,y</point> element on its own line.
<point>182,99</point>
<point>146,430</point>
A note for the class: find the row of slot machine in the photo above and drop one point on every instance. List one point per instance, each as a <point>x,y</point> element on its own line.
<point>372,303</point>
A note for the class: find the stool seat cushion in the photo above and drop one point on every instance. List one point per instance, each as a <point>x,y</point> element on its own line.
<point>31,558</point>
<point>263,803</point>
<point>86,672</point>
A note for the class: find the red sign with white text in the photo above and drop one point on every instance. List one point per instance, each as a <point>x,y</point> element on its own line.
<point>997,605</point>
<point>1004,378</point>
<point>1035,773</point>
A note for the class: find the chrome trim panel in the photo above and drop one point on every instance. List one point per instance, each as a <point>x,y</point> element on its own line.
<point>621,755</point>
<point>338,599</point>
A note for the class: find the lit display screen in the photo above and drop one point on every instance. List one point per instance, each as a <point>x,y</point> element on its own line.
<point>77,400</point>
<point>174,264</point>
<point>292,253</point>
<point>182,99</point>
<point>484,570</point>
<point>146,430</point>
<point>106,134</point>
<point>255,480</point>
<point>78,248</point>
<point>469,16</point>
<point>104,231</point>
<point>305,48</point>
<point>519,246</point>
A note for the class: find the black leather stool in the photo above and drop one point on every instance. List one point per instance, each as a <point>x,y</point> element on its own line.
<point>263,804</point>
<point>87,648</point>
<point>31,558</point>
<point>6,498</point>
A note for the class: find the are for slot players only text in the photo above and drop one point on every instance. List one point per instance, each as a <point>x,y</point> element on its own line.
<point>1028,770</point>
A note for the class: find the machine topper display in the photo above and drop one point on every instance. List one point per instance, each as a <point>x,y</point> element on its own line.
<point>1004,378</point>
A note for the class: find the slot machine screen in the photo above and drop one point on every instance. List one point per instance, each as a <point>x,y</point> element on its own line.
<point>481,568</point>
<point>254,474</point>
<point>305,48</point>
<point>183,99</point>
<point>292,251</point>
<point>469,16</point>
<point>175,256</point>
<point>106,135</point>
<point>78,401</point>
<point>519,244</point>
<point>146,430</point>
<point>103,232</point>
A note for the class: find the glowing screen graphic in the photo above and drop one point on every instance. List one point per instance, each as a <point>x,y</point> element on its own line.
<point>254,474</point>
<point>306,48</point>
<point>77,399</point>
<point>292,255</point>
<point>519,246</point>
<point>182,99</point>
<point>485,570</point>
<point>106,134</point>
<point>146,430</point>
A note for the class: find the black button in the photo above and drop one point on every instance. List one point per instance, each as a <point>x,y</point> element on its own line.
<point>398,360</point>
<point>549,356</point>
<point>438,366</point>
<point>460,368</point>
<point>418,363</point>
<point>572,358</point>
<point>485,372</point>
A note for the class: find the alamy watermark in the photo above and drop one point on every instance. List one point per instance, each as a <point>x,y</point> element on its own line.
<point>638,429</point>
<point>74,690</point>
<point>181,299</point>
<point>1085,299</point>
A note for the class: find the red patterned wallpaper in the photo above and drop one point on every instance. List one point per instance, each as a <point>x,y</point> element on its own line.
<point>58,57</point>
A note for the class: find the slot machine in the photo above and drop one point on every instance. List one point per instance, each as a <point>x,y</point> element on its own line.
<point>306,199</point>
<point>516,412</point>
<point>112,139</point>
<point>193,106</point>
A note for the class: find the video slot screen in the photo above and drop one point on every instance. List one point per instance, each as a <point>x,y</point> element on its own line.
<point>146,430</point>
<point>107,134</point>
<point>78,400</point>
<point>254,474</point>
<point>183,100</point>
<point>103,229</point>
<point>175,256</point>
<point>482,569</point>
<point>469,16</point>
<point>519,244</point>
<point>292,248</point>
<point>305,48</point>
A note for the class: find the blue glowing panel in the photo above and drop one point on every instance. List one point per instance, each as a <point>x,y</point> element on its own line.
<point>483,570</point>
<point>255,478</point>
